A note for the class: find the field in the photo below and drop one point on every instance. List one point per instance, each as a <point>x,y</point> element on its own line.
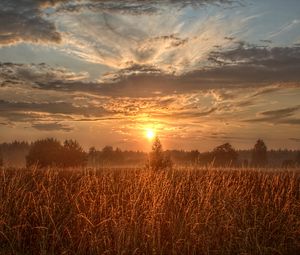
<point>136,211</point>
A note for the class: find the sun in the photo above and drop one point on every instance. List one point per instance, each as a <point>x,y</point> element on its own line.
<point>150,134</point>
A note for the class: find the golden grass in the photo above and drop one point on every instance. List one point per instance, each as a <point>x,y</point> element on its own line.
<point>129,211</point>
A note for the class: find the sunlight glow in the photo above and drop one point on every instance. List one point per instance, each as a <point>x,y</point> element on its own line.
<point>150,134</point>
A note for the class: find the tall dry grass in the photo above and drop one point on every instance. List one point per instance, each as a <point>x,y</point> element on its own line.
<point>141,212</point>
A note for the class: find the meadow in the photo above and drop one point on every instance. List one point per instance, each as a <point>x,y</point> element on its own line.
<point>138,211</point>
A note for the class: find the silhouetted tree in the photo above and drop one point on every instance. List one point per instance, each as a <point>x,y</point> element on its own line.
<point>1,159</point>
<point>73,154</point>
<point>157,159</point>
<point>43,153</point>
<point>245,163</point>
<point>298,158</point>
<point>224,155</point>
<point>14,153</point>
<point>108,153</point>
<point>259,154</point>
<point>194,156</point>
<point>50,152</point>
<point>92,156</point>
<point>288,163</point>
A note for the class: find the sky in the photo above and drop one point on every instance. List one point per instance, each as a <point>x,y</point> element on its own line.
<point>198,73</point>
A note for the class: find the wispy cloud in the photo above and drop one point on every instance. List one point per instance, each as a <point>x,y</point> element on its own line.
<point>278,116</point>
<point>52,126</point>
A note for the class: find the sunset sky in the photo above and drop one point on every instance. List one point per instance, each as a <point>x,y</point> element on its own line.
<point>197,72</point>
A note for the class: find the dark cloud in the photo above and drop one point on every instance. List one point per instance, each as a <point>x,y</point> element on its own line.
<point>267,90</point>
<point>290,121</point>
<point>23,20</point>
<point>174,40</point>
<point>133,70</point>
<point>13,74</point>
<point>135,7</point>
<point>281,113</point>
<point>276,58</point>
<point>279,116</point>
<point>195,113</point>
<point>295,139</point>
<point>25,111</point>
<point>4,123</point>
<point>54,126</point>
<point>185,114</point>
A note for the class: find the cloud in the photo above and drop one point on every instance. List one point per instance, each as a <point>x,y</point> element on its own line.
<point>135,7</point>
<point>149,85</point>
<point>281,113</point>
<point>173,40</point>
<point>254,56</point>
<point>285,28</point>
<point>11,74</point>
<point>27,111</point>
<point>53,126</point>
<point>267,90</point>
<point>279,116</point>
<point>295,139</point>
<point>247,69</point>
<point>23,20</point>
<point>290,121</point>
<point>30,20</point>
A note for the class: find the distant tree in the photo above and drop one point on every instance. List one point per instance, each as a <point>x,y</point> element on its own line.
<point>1,159</point>
<point>15,153</point>
<point>50,152</point>
<point>118,156</point>
<point>224,155</point>
<point>298,158</point>
<point>108,154</point>
<point>43,153</point>
<point>158,160</point>
<point>288,163</point>
<point>205,158</point>
<point>245,163</point>
<point>259,154</point>
<point>73,154</point>
<point>92,156</point>
<point>194,156</point>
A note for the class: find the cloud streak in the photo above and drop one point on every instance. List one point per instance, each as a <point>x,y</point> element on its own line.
<point>279,116</point>
<point>52,126</point>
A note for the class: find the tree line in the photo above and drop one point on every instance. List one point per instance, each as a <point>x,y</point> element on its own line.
<point>49,151</point>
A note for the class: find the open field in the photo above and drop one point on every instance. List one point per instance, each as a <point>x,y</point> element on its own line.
<point>132,211</point>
